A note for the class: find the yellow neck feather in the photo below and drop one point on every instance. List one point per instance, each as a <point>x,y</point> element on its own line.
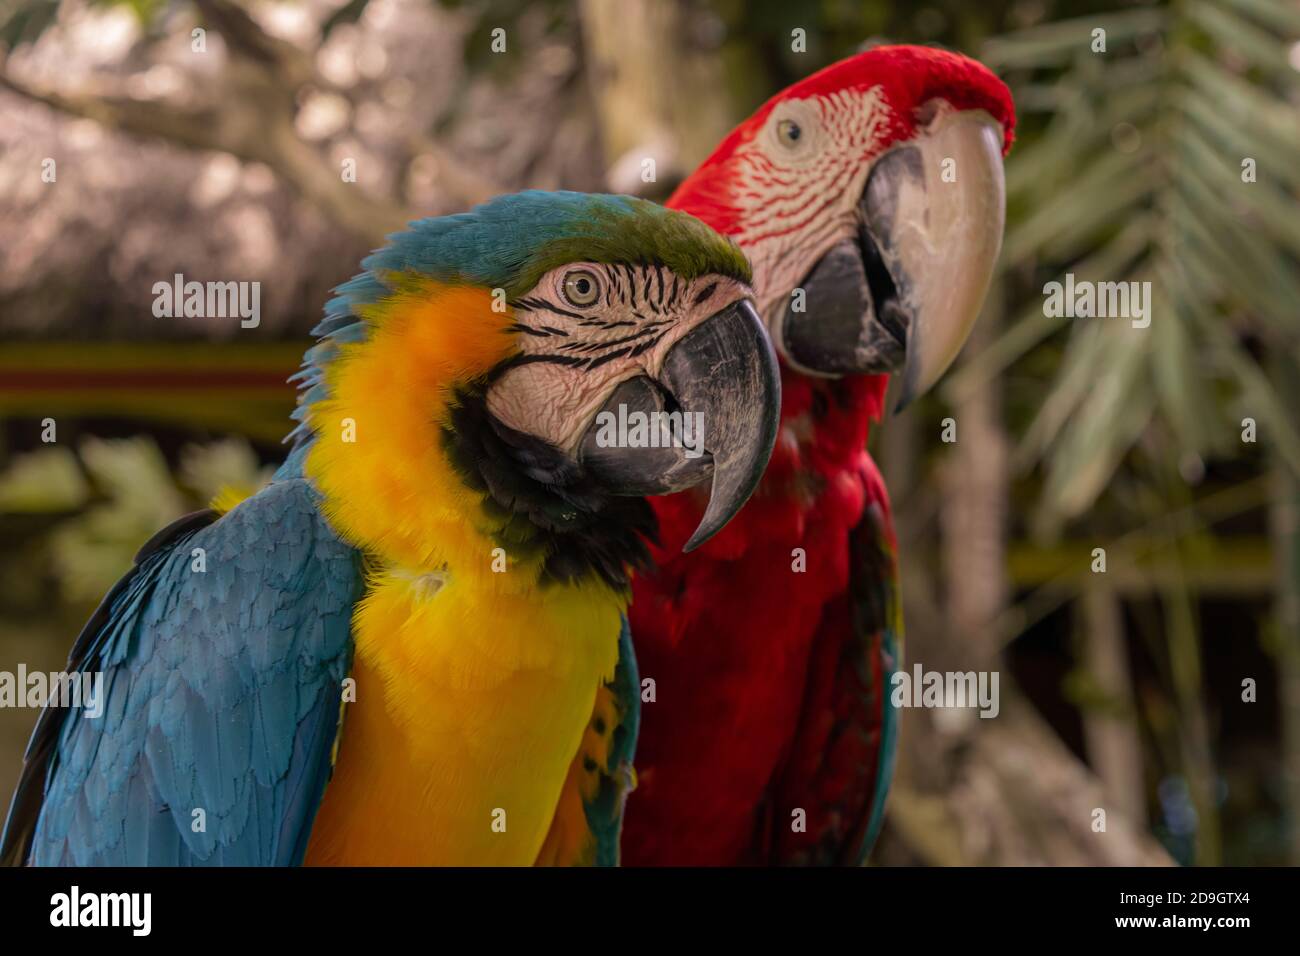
<point>378,456</point>
<point>474,687</point>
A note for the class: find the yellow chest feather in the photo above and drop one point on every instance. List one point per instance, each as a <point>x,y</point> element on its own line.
<point>470,705</point>
<point>472,688</point>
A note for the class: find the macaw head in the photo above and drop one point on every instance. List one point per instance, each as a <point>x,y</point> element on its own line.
<point>529,364</point>
<point>869,198</point>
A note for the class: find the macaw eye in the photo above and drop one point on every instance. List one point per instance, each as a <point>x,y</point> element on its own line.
<point>788,132</point>
<point>581,288</point>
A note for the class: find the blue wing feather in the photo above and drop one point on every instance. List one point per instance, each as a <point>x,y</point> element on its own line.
<point>221,693</point>
<point>605,813</point>
<point>888,746</point>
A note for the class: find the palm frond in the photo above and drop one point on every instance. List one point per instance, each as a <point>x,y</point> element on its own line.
<point>1131,169</point>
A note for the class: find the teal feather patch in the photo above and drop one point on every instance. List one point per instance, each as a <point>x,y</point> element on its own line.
<point>890,651</point>
<point>605,812</point>
<point>221,700</point>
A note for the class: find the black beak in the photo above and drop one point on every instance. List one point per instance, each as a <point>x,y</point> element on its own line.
<point>714,410</point>
<point>849,319</point>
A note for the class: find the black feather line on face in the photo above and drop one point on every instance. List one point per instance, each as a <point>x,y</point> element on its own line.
<point>704,293</point>
<point>630,297</point>
<point>544,501</point>
<point>548,359</point>
<point>650,329</point>
<point>528,330</point>
<point>646,346</point>
<point>542,305</point>
<point>601,360</point>
<point>540,331</point>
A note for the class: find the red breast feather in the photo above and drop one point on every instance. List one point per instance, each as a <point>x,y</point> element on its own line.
<point>726,632</point>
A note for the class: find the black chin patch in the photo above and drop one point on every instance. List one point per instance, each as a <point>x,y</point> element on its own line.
<point>821,331</point>
<point>546,503</point>
<point>854,319</point>
<point>851,321</point>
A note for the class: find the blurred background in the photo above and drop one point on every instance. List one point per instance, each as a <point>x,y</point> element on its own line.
<point>1165,690</point>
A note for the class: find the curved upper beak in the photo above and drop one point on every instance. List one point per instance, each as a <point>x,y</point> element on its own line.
<point>904,292</point>
<point>713,410</point>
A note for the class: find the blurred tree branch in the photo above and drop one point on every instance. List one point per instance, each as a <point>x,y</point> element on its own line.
<point>458,180</point>
<point>1005,791</point>
<point>249,112</point>
<point>1011,795</point>
<point>1109,723</point>
<point>261,133</point>
<point>1284,520</point>
<point>659,94</point>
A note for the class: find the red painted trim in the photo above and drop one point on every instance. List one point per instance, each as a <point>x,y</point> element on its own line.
<point>45,380</point>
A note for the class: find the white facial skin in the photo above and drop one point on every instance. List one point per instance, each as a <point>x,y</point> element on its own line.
<point>800,180</point>
<point>587,327</point>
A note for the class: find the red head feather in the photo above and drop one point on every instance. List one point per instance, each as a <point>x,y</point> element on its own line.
<point>908,77</point>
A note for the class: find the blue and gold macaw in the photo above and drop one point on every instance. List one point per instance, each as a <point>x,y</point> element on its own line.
<point>410,648</point>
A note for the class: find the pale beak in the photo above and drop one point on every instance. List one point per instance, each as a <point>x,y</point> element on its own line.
<point>944,236</point>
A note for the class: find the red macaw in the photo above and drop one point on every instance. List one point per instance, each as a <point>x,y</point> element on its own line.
<point>869,198</point>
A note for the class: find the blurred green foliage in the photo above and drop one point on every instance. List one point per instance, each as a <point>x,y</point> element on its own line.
<point>102,501</point>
